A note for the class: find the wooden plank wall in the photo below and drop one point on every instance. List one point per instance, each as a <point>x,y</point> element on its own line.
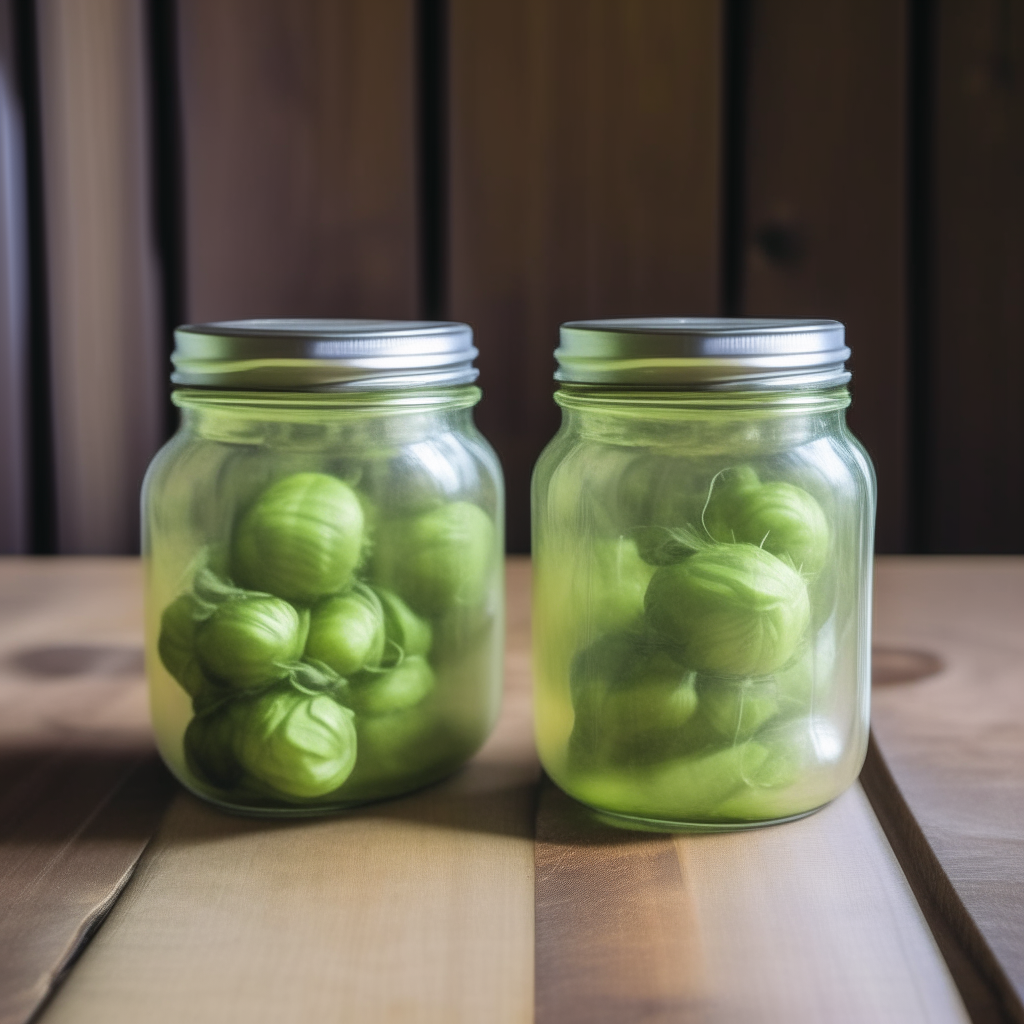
<point>299,165</point>
<point>585,180</point>
<point>515,163</point>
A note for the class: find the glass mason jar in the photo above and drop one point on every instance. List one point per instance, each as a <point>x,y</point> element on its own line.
<point>323,544</point>
<point>702,541</point>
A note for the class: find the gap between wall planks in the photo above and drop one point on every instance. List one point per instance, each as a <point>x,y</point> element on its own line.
<point>824,234</point>
<point>975,497</point>
<point>14,304</point>
<point>299,164</point>
<point>101,271</point>
<point>584,160</point>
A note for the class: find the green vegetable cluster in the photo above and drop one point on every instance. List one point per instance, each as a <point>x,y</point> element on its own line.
<point>692,702</point>
<point>295,641</point>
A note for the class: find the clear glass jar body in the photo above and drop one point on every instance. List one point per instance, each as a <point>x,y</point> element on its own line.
<point>324,596</point>
<point>702,589</point>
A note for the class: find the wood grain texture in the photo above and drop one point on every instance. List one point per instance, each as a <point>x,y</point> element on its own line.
<point>14,299</point>
<point>298,125</point>
<point>951,759</point>
<point>616,937</point>
<point>811,921</point>
<point>976,310</point>
<point>81,790</point>
<point>824,231</point>
<point>103,305</point>
<point>415,910</point>
<point>583,181</point>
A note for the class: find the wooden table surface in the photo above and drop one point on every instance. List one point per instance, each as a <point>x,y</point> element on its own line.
<point>492,897</point>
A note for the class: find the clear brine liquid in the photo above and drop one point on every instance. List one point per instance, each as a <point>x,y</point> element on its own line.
<point>700,614</point>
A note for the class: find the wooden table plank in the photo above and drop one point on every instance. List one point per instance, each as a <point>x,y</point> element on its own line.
<point>952,759</point>
<point>418,909</point>
<point>81,790</point>
<point>421,909</point>
<point>810,921</point>
<point>616,938</point>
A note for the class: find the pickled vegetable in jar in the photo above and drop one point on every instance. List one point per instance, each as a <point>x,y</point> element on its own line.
<point>323,543</point>
<point>702,540</point>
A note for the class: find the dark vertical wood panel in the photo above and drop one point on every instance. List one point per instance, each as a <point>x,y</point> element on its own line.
<point>105,355</point>
<point>825,197</point>
<point>976,315</point>
<point>299,158</point>
<point>14,301</point>
<point>584,181</point>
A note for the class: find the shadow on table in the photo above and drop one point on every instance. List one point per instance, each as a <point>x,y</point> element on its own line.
<point>491,797</point>
<point>64,794</point>
<point>50,794</point>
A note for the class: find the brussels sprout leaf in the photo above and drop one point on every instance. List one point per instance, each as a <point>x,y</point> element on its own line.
<point>662,545</point>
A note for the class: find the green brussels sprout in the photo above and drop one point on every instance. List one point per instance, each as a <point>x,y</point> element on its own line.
<point>210,745</point>
<point>662,545</point>
<point>796,684</point>
<point>250,642</point>
<point>657,489</point>
<point>733,609</point>
<point>301,540</point>
<point>685,789</point>
<point>583,594</point>
<point>787,780</point>
<point>347,633</point>
<point>396,689</point>
<point>439,559</point>
<point>402,750</point>
<point>695,786</point>
<point>630,701</point>
<point>403,627</point>
<point>610,590</point>
<point>176,645</point>
<point>314,678</point>
<point>736,709</point>
<point>780,517</point>
<point>300,746</point>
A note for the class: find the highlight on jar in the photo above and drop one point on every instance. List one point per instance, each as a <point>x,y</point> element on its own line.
<point>702,575</point>
<point>326,612</point>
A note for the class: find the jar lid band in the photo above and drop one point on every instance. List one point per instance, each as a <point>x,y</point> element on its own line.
<point>323,355</point>
<point>704,353</point>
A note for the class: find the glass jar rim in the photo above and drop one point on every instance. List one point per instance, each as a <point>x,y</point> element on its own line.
<point>628,400</point>
<point>391,401</point>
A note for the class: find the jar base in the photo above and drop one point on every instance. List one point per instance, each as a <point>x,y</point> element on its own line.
<point>311,810</point>
<point>634,823</point>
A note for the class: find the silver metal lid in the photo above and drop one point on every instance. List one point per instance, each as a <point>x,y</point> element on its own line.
<point>323,355</point>
<point>704,353</point>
